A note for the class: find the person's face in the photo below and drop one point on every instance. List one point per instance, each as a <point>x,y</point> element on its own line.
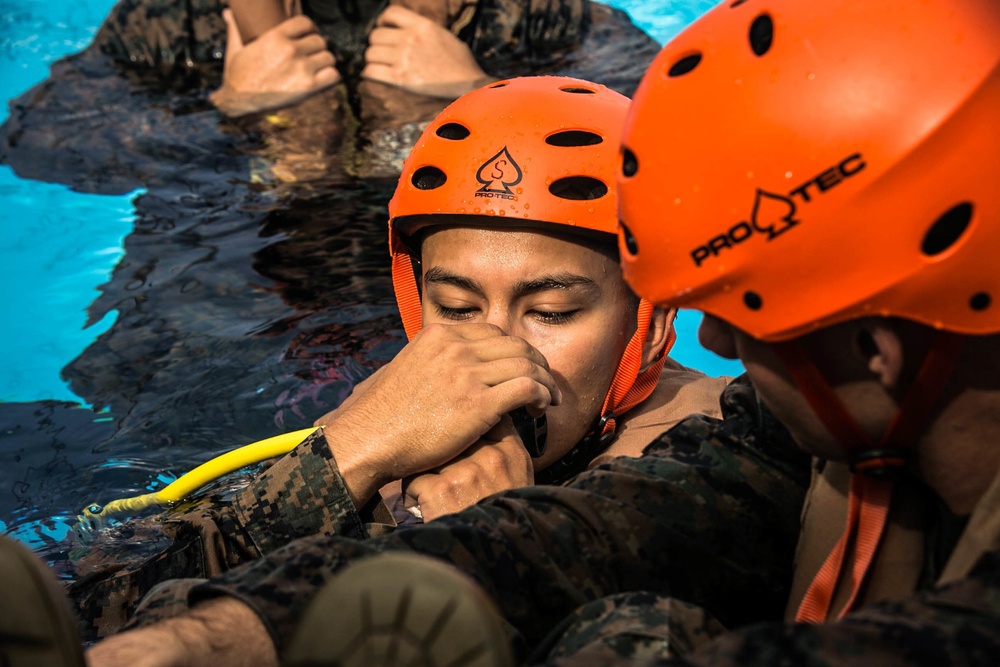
<point>566,299</point>
<point>773,384</point>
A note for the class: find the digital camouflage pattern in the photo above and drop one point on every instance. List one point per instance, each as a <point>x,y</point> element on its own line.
<point>300,495</point>
<point>954,624</point>
<point>132,109</point>
<point>508,37</point>
<point>649,561</point>
<point>709,515</point>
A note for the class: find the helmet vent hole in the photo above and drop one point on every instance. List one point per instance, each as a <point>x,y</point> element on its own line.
<point>500,84</point>
<point>947,230</point>
<point>684,65</point>
<point>737,4</point>
<point>761,34</point>
<point>453,131</point>
<point>630,164</point>
<point>428,178</point>
<point>579,188</point>
<point>570,138</point>
<point>980,301</point>
<point>578,90</point>
<point>630,245</point>
<point>752,300</point>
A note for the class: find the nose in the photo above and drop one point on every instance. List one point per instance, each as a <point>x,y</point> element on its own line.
<point>717,336</point>
<point>500,317</point>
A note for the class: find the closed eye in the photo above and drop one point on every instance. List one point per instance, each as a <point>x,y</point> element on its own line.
<point>455,314</point>
<point>554,317</point>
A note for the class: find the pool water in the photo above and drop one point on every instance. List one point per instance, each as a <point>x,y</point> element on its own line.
<point>146,331</point>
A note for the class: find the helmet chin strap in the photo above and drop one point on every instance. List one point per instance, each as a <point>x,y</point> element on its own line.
<point>630,386</point>
<point>874,464</point>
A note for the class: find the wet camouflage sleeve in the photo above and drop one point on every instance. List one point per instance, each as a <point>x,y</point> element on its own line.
<point>709,515</point>
<point>170,37</point>
<point>302,494</point>
<point>957,624</point>
<point>587,40</point>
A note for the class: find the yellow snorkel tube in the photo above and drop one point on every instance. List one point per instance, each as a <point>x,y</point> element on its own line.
<point>94,515</point>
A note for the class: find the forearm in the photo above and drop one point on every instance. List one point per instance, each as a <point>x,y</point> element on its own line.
<point>303,494</point>
<point>543,551</point>
<point>218,633</point>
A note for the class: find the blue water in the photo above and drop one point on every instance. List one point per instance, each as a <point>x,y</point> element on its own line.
<point>58,246</point>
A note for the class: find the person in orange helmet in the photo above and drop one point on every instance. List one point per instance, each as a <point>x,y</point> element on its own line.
<point>504,259</point>
<point>817,178</point>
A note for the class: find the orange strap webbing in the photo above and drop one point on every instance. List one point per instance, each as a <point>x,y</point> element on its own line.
<point>867,514</point>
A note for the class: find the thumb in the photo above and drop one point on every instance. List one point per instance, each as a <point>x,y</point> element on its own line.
<point>234,41</point>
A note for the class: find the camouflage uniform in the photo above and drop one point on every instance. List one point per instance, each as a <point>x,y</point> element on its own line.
<point>507,37</point>
<point>681,556</point>
<point>716,497</point>
<point>132,108</point>
<point>300,495</point>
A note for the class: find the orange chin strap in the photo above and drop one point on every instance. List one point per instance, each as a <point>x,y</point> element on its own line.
<point>629,387</point>
<point>404,284</point>
<point>873,464</point>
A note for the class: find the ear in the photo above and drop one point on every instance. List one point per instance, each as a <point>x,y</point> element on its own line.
<point>661,326</point>
<point>880,345</point>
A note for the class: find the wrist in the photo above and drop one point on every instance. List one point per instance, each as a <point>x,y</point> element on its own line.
<point>357,462</point>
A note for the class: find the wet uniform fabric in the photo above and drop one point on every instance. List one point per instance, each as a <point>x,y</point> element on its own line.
<point>302,494</point>
<point>653,559</point>
<point>709,496</point>
<point>132,108</point>
<point>507,37</point>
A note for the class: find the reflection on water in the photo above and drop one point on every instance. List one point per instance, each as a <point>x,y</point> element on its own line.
<point>254,290</point>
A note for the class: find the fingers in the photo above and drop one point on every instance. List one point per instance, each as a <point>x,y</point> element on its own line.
<point>482,470</point>
<point>384,54</point>
<point>326,77</point>
<point>379,72</point>
<point>524,392</point>
<point>399,17</point>
<point>234,41</point>
<point>310,43</point>
<point>385,36</point>
<point>482,355</point>
<point>296,27</point>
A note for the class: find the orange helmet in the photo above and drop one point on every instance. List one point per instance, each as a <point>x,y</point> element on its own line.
<point>531,151</point>
<point>788,165</point>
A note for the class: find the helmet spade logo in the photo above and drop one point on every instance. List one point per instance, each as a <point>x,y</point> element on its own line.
<point>498,175</point>
<point>772,214</point>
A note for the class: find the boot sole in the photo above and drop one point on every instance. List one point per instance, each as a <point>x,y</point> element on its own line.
<point>37,628</point>
<point>400,609</point>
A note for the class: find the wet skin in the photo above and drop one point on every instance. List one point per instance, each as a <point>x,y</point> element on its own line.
<point>565,299</point>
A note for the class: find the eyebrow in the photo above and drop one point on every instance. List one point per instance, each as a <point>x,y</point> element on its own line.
<point>558,281</point>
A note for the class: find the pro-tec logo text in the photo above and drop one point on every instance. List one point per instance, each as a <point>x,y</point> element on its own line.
<point>774,214</point>
<point>498,175</point>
